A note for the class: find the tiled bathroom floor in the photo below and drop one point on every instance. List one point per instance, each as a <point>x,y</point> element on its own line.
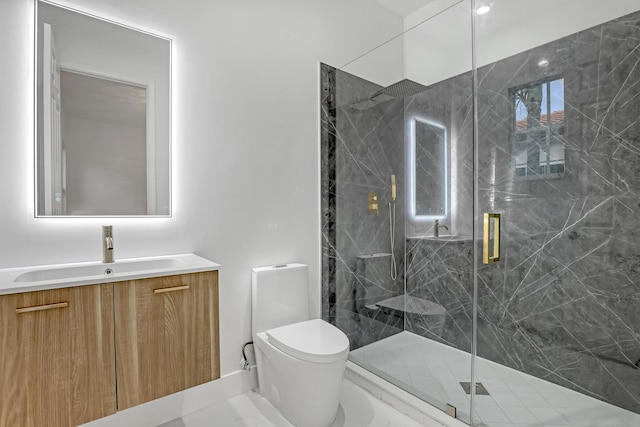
<point>433,372</point>
<point>357,409</point>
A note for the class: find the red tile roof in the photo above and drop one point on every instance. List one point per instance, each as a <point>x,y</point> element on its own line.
<point>557,117</point>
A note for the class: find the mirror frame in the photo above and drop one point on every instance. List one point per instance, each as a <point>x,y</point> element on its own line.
<point>169,128</point>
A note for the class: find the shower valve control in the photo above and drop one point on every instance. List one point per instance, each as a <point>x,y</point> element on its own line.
<point>373,202</point>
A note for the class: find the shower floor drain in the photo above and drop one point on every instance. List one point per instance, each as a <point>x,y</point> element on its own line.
<point>480,389</point>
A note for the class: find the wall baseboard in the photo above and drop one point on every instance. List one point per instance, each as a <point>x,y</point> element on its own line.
<point>165,409</point>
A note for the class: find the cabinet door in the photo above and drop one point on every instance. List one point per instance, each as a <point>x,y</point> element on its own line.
<point>166,335</point>
<point>57,357</point>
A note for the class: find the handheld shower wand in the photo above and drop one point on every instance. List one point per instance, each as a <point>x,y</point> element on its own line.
<point>393,188</point>
<point>392,228</point>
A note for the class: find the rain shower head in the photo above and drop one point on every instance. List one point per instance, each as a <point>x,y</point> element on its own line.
<point>402,89</point>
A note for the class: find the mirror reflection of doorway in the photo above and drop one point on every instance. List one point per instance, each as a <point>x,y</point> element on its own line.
<point>118,79</point>
<point>53,152</point>
<point>104,135</point>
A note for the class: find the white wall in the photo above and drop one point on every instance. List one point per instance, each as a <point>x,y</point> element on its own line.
<point>438,36</point>
<point>246,150</point>
<point>511,27</point>
<point>383,65</point>
<point>437,42</point>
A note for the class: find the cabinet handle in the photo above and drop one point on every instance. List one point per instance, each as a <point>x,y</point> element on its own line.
<point>42,307</point>
<point>175,288</point>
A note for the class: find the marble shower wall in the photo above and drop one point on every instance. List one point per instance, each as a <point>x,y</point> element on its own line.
<point>362,146</point>
<point>563,303</point>
<point>441,271</point>
<point>449,104</point>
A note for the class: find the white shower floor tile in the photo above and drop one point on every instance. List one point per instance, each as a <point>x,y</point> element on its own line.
<point>357,409</point>
<point>516,399</point>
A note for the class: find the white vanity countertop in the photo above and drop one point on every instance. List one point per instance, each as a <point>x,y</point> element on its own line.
<point>41,277</point>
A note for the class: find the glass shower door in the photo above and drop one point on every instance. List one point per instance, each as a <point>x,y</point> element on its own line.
<point>558,155</point>
<point>398,261</point>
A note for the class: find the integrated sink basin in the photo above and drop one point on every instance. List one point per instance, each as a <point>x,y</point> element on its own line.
<point>63,275</point>
<point>98,269</point>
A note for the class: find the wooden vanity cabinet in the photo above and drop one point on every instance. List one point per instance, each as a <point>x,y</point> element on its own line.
<point>56,348</point>
<point>61,356</point>
<point>166,331</point>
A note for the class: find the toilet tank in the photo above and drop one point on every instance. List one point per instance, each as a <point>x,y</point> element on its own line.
<point>279,296</point>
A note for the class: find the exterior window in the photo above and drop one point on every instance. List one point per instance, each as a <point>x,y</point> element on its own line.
<point>539,129</point>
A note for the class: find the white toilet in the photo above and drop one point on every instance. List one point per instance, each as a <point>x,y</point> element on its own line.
<point>300,362</point>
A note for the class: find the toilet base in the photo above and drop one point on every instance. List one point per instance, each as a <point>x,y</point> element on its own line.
<point>306,393</point>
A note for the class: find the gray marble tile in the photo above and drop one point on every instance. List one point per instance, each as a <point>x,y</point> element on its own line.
<point>362,147</point>
<point>562,304</point>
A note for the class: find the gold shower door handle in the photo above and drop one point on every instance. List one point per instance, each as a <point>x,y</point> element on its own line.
<point>491,221</point>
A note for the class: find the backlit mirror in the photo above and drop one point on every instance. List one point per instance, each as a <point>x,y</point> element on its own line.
<point>429,178</point>
<point>103,117</point>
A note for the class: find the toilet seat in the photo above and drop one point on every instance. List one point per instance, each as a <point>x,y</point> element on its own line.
<point>312,341</point>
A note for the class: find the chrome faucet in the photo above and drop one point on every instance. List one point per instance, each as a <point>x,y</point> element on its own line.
<point>107,243</point>
<point>436,228</point>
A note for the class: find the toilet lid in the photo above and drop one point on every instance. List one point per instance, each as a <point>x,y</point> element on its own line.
<point>311,340</point>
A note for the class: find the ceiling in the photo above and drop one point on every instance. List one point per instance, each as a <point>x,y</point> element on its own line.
<point>403,7</point>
